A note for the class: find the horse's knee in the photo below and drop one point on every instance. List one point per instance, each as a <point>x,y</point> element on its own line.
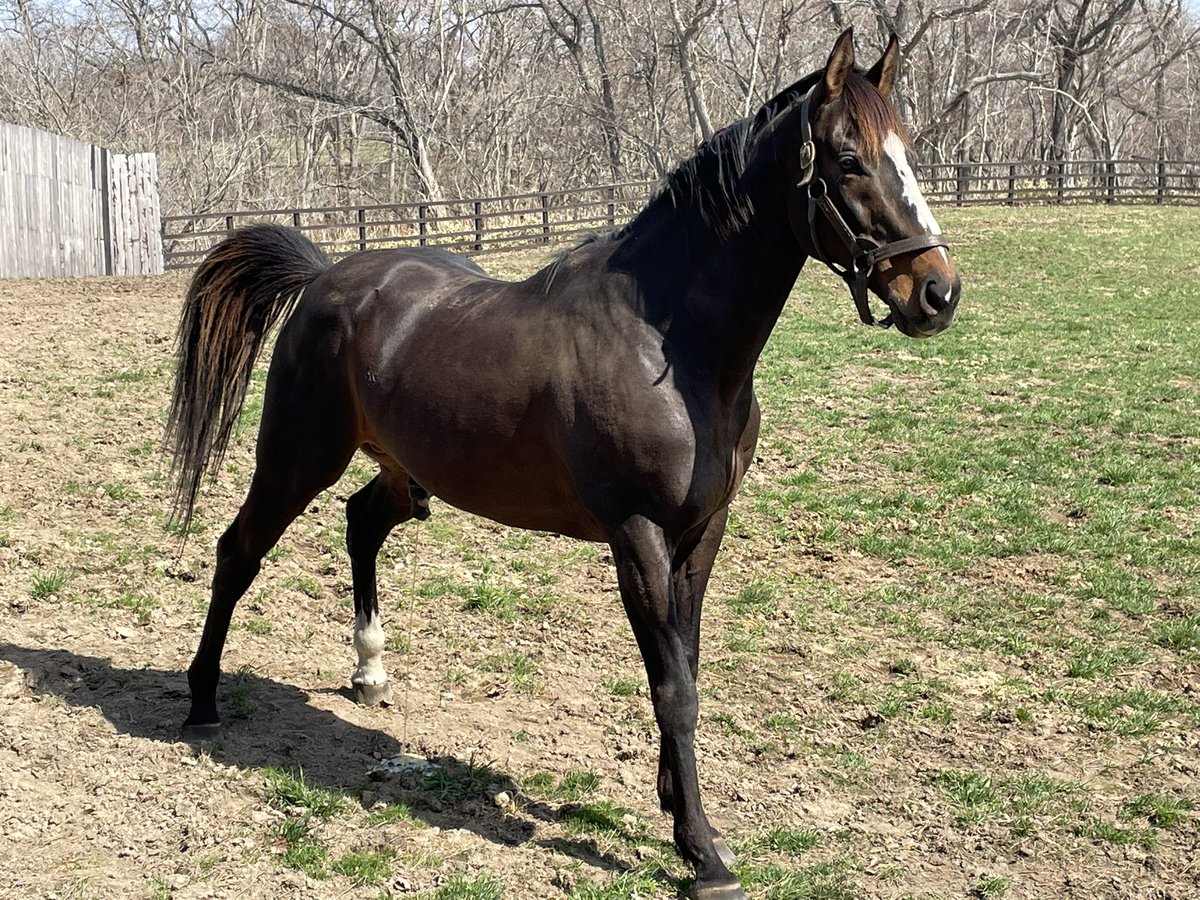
<point>676,705</point>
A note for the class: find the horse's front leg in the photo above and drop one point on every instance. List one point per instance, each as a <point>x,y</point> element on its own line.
<point>691,581</point>
<point>644,573</point>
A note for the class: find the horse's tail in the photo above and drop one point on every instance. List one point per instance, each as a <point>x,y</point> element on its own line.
<point>249,281</point>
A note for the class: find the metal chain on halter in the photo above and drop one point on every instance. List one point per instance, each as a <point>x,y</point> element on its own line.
<point>865,251</point>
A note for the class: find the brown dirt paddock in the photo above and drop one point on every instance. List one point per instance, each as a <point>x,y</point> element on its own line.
<point>511,660</point>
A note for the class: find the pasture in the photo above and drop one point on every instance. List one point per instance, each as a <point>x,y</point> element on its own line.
<point>951,647</point>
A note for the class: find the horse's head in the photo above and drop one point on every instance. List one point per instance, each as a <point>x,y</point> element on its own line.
<point>855,203</point>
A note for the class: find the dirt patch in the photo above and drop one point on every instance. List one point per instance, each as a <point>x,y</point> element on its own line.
<point>817,714</point>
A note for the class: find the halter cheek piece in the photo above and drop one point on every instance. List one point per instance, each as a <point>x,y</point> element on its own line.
<point>865,251</point>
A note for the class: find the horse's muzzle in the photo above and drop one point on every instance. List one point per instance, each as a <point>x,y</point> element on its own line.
<point>929,311</point>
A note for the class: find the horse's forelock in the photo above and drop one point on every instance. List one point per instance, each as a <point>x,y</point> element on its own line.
<point>873,115</point>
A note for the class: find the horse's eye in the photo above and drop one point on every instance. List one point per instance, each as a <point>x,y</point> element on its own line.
<point>849,164</point>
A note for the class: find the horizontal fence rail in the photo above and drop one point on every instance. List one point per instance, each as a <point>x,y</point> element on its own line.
<point>492,224</point>
<point>484,225</point>
<point>1071,181</point>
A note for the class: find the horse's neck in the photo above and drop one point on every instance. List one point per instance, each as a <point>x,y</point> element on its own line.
<point>722,295</point>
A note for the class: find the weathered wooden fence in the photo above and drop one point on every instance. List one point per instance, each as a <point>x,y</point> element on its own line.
<point>68,208</point>
<point>502,223</point>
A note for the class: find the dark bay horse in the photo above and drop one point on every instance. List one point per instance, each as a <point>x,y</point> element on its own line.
<point>609,397</point>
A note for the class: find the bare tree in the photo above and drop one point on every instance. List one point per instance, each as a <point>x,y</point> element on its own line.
<point>322,102</point>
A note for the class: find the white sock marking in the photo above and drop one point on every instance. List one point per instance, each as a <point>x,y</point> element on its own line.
<point>368,641</point>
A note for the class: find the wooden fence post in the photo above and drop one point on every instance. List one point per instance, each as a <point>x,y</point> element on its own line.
<point>545,198</point>
<point>611,193</point>
<point>1162,180</point>
<point>422,211</point>
<point>1012,185</point>
<point>362,228</point>
<point>296,219</point>
<point>478,225</point>
<point>1060,178</point>
<point>963,184</point>
<point>1110,176</point>
<point>106,214</point>
<point>229,223</point>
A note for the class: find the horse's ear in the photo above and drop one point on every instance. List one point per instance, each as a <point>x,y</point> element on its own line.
<point>840,65</point>
<point>883,73</point>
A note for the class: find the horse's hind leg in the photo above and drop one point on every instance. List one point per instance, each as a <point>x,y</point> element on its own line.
<point>274,501</point>
<point>371,514</point>
<point>304,443</point>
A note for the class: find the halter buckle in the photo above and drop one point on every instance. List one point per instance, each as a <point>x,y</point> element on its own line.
<point>808,159</point>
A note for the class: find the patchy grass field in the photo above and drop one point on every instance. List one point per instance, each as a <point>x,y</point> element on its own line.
<point>952,650</point>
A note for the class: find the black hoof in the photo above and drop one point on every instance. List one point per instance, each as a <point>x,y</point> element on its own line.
<point>201,731</point>
<point>730,890</point>
<point>723,851</point>
<point>373,694</point>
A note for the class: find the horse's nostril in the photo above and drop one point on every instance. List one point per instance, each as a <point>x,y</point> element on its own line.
<point>936,296</point>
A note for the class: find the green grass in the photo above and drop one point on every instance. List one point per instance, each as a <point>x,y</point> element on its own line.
<point>792,840</point>
<point>602,818</point>
<point>390,814</point>
<point>365,866</point>
<point>1160,810</point>
<point>758,596</point>
<point>257,625</point>
<point>308,585</point>
<point>47,584</point>
<point>978,797</point>
<point>832,880</point>
<point>301,850</point>
<point>288,788</point>
<point>485,596</point>
<point>1181,634</point>
<point>1098,830</point>
<point>574,786</point>
<point>515,669</point>
<point>993,886</point>
<point>463,887</point>
<point>622,686</point>
<point>625,886</point>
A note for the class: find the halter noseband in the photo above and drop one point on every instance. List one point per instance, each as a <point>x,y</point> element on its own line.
<point>865,251</point>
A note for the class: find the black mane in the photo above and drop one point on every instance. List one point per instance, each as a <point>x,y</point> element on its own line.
<point>710,181</point>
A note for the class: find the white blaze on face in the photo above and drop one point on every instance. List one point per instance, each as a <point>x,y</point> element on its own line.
<point>368,641</point>
<point>893,149</point>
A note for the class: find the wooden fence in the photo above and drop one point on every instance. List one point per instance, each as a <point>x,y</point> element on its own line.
<point>1072,181</point>
<point>502,223</point>
<point>483,225</point>
<point>68,208</point>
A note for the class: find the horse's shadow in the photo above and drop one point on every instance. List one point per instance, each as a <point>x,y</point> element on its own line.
<point>279,728</point>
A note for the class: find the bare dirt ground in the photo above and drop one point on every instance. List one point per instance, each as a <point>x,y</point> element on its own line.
<point>511,659</point>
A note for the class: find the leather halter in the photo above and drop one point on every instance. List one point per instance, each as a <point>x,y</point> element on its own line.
<point>865,251</point>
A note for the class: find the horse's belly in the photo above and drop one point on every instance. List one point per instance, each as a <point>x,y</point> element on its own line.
<point>517,480</point>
